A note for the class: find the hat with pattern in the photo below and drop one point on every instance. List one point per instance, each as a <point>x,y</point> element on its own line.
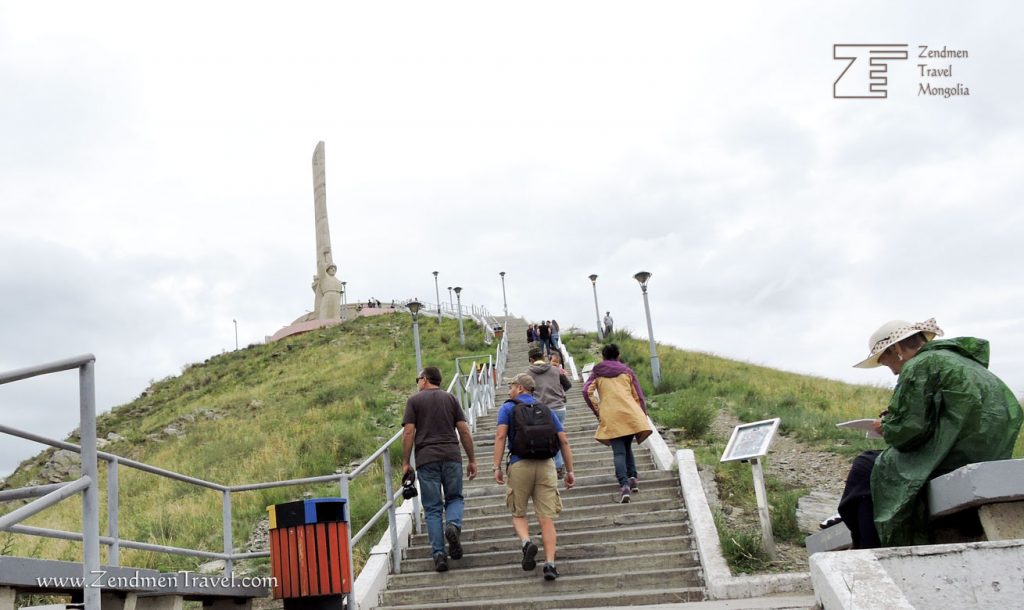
<point>893,332</point>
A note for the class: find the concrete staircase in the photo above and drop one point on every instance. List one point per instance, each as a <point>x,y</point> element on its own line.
<point>608,554</point>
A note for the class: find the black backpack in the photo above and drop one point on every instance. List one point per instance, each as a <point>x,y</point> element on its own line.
<point>534,436</point>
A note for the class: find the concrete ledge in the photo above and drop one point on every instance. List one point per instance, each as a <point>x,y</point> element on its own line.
<point>976,484</point>
<point>373,578</point>
<point>660,452</point>
<point>719,580</point>
<point>972,575</point>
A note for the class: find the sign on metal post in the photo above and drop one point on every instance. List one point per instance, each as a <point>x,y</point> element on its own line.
<point>750,442</point>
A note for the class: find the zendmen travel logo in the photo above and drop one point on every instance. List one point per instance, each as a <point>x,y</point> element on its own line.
<point>867,70</point>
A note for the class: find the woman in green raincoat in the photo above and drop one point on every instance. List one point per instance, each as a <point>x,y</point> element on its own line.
<point>947,410</point>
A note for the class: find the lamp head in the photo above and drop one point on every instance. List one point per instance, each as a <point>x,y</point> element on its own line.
<point>642,277</point>
<point>457,289</point>
<point>501,273</point>
<point>414,307</point>
<point>435,274</point>
<point>593,277</point>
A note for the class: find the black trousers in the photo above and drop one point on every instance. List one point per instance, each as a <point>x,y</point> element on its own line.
<point>856,507</point>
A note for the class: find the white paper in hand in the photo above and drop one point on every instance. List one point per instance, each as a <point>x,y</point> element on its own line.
<point>868,425</point>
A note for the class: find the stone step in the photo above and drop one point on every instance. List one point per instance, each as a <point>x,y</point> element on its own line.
<point>514,572</point>
<point>593,483</point>
<point>608,520</point>
<point>625,596</point>
<point>569,514</point>
<point>579,446</point>
<point>568,582</point>
<point>602,536</point>
<point>484,483</point>
<point>566,552</point>
<point>495,505</point>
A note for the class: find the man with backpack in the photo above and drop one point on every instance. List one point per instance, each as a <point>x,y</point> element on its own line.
<point>534,437</point>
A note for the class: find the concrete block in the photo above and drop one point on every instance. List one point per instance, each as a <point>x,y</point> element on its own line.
<point>975,575</point>
<point>854,581</point>
<point>118,601</point>
<point>1003,521</point>
<point>835,538</point>
<point>7,595</point>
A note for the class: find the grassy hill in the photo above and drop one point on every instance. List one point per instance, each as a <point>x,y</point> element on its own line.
<point>316,403</point>
<point>304,406</point>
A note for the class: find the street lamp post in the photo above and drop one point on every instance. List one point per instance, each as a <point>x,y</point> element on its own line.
<point>344,301</point>
<point>451,304</point>
<point>437,292</point>
<point>504,299</point>
<point>597,310</point>
<point>236,334</point>
<point>643,277</point>
<point>458,298</point>
<point>414,307</point>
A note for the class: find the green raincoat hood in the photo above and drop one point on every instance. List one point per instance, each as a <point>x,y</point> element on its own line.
<point>968,347</point>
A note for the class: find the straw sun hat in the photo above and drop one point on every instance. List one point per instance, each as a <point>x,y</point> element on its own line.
<point>893,332</point>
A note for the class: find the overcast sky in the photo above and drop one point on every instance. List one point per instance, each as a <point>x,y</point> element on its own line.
<point>155,178</point>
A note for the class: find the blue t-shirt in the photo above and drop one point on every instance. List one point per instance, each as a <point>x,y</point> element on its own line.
<point>505,418</point>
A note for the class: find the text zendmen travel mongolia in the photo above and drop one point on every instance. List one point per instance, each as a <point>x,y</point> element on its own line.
<point>940,70</point>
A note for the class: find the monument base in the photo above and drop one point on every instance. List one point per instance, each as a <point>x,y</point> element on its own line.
<point>303,327</point>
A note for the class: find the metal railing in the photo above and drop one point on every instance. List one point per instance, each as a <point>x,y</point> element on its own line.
<point>475,385</point>
<point>48,495</point>
<point>88,484</point>
<point>475,388</point>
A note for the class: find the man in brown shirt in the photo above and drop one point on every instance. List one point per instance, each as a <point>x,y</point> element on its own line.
<point>431,418</point>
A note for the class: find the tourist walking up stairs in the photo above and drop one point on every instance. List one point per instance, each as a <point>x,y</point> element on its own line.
<point>609,554</point>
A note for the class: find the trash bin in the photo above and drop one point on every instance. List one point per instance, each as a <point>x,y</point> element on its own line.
<point>309,555</point>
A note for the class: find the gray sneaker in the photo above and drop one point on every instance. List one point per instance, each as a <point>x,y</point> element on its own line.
<point>623,495</point>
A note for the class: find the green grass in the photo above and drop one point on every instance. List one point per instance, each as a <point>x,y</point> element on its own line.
<point>307,405</point>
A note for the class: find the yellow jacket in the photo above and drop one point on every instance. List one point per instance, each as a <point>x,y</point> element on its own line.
<point>617,405</point>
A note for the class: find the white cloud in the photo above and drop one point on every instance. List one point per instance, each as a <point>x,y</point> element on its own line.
<point>155,175</point>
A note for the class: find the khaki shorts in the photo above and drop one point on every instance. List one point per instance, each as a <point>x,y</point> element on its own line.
<point>536,479</point>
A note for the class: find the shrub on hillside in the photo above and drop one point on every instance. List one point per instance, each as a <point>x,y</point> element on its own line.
<point>676,411</point>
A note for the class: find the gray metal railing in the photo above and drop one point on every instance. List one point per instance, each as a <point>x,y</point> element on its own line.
<point>475,389</point>
<point>88,484</point>
<point>47,495</point>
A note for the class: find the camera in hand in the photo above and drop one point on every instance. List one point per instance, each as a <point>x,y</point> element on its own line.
<point>409,485</point>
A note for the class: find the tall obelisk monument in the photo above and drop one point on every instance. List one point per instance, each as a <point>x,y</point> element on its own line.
<point>326,286</point>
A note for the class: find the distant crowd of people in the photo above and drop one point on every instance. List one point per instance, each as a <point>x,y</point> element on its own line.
<point>546,333</point>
